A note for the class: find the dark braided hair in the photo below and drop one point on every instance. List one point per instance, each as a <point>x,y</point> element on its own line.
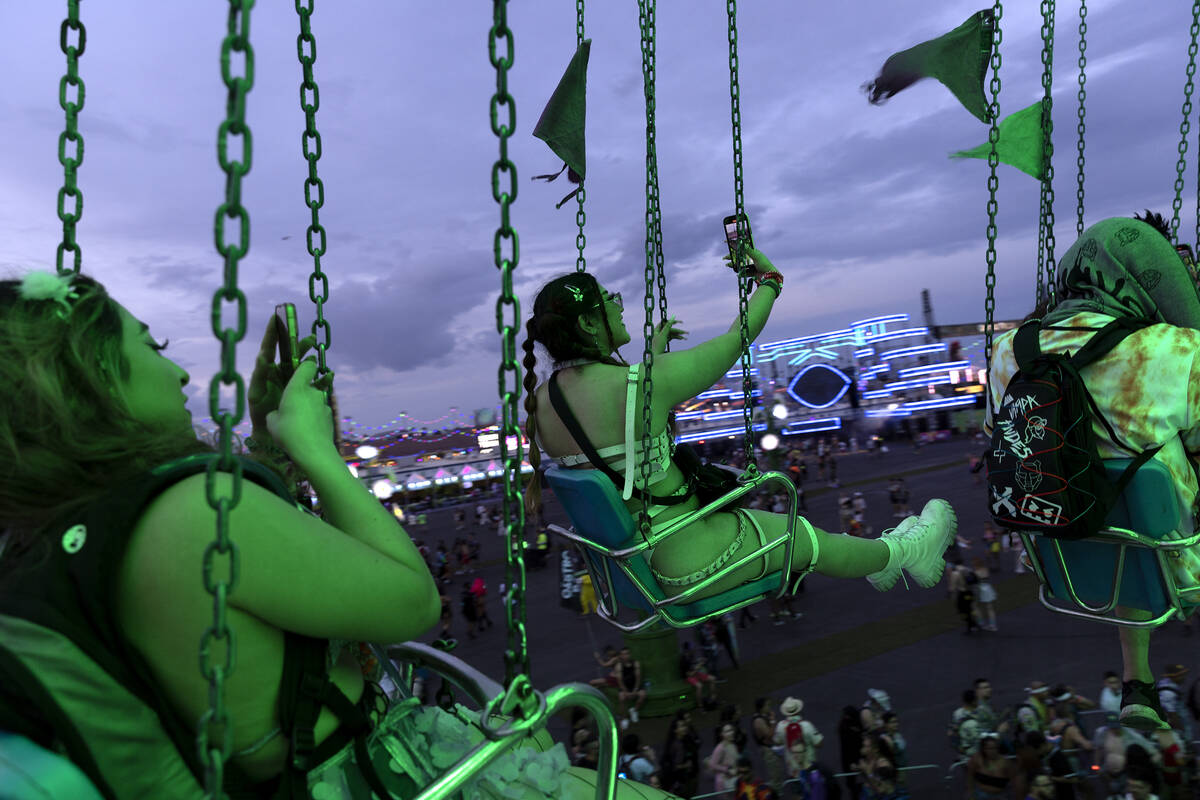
<point>555,325</point>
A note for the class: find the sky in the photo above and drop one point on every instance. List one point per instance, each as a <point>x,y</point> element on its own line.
<point>858,205</point>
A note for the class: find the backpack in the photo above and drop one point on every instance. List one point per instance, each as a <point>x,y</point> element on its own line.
<point>1044,472</point>
<point>794,736</point>
<point>954,732</point>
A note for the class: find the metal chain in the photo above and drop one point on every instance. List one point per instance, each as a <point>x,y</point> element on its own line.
<point>516,653</point>
<point>310,101</point>
<point>735,116</point>
<point>993,184</point>
<point>236,44</point>
<point>1048,140</point>
<point>1080,128</point>
<point>580,216</point>
<point>70,135</point>
<point>646,21</point>
<point>1185,125</point>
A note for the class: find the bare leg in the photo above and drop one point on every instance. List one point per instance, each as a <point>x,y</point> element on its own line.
<point>1135,646</point>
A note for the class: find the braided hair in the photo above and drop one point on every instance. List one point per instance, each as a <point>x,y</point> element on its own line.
<point>554,324</point>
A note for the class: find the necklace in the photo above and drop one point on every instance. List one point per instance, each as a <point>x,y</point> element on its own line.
<point>576,362</point>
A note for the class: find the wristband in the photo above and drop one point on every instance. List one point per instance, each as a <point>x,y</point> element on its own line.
<point>772,275</point>
<point>773,285</point>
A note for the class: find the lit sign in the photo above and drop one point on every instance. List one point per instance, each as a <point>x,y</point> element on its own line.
<point>819,386</point>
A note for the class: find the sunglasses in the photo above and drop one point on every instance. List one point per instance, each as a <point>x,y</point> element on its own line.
<point>614,298</point>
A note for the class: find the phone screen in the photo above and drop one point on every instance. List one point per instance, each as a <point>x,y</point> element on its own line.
<point>731,234</point>
<point>287,331</point>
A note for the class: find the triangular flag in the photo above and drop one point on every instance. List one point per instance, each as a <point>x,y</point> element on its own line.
<point>959,59</point>
<point>1020,144</point>
<point>562,122</point>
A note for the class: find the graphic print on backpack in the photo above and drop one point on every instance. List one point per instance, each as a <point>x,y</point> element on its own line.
<point>1045,473</point>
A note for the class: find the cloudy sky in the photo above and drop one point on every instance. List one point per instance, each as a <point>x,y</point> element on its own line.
<point>858,205</point>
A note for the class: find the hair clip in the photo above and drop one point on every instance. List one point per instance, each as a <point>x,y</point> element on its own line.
<point>39,285</point>
<point>575,291</point>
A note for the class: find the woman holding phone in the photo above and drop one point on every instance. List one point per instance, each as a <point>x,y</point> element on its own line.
<point>102,436</point>
<point>580,324</point>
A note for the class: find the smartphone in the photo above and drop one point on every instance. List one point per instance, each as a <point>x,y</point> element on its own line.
<point>287,332</point>
<point>731,235</point>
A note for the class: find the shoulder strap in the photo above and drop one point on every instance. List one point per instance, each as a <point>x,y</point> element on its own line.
<point>631,384</point>
<point>559,402</point>
<point>1106,339</point>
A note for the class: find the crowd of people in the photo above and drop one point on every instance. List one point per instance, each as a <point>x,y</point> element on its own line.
<point>1055,744</point>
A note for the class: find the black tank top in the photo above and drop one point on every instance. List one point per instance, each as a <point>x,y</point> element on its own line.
<point>629,676</point>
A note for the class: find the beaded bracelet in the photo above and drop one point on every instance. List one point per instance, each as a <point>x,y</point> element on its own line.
<point>773,275</point>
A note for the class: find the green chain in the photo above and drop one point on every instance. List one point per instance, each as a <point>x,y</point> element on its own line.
<point>993,184</point>
<point>70,163</point>
<point>1186,124</point>
<point>516,654</point>
<point>237,40</point>
<point>646,22</point>
<point>735,115</point>
<point>310,101</point>
<point>1080,128</point>
<point>1048,141</point>
<point>580,216</point>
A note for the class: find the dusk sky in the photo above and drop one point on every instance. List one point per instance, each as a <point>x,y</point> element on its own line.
<point>857,205</point>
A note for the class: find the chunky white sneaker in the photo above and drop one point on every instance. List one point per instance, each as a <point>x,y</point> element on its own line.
<point>633,715</point>
<point>918,545</point>
<point>886,578</point>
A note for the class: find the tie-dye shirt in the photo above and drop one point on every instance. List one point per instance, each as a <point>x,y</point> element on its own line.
<point>1148,388</point>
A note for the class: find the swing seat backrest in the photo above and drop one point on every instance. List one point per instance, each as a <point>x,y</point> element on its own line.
<point>1148,507</point>
<point>599,515</point>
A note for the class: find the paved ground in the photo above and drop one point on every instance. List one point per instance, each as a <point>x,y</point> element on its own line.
<point>909,643</point>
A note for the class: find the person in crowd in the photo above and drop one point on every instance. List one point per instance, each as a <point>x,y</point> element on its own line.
<point>850,734</point>
<point>1142,771</point>
<point>479,592</point>
<point>696,674</point>
<point>989,773</point>
<point>762,728</point>
<point>965,585</point>
<point>588,603</point>
<point>680,757</point>
<point>629,676</point>
<point>637,761</point>
<point>797,736</point>
<point>608,667</point>
<point>710,647</point>
<point>1176,760</point>
<point>447,614</point>
<point>1053,760</point>
<point>1034,713</point>
<point>1140,786</point>
<point>1170,696</point>
<point>580,324</point>
<point>1129,269</point>
<point>470,610</point>
<point>1110,694</point>
<point>460,518</point>
<point>986,601</point>
<point>992,545</point>
<point>102,434</point>
<point>730,714</point>
<point>964,729</point>
<point>1041,787</point>
<point>898,743</point>
<point>1110,744</point>
<point>583,733</point>
<point>833,481</point>
<point>877,704</point>
<point>723,760</point>
<point>986,717</point>
<point>876,768</point>
<point>749,787</point>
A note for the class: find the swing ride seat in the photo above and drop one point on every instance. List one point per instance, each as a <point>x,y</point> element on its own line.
<point>1126,563</point>
<point>29,771</point>
<point>618,559</point>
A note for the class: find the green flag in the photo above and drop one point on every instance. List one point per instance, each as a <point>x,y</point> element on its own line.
<point>1020,144</point>
<point>562,122</point>
<point>959,59</point>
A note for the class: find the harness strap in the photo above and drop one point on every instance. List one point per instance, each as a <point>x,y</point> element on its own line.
<point>559,402</point>
<point>631,382</point>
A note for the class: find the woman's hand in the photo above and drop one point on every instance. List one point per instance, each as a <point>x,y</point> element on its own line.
<point>266,383</point>
<point>666,332</point>
<point>303,423</point>
<point>759,264</point>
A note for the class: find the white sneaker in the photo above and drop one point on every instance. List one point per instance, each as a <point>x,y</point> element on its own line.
<point>624,724</point>
<point>918,547</point>
<point>633,714</point>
